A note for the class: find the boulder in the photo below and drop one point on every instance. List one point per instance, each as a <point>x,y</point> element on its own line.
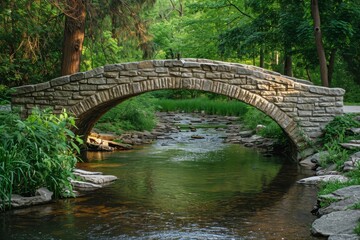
<point>308,163</point>
<point>325,178</point>
<point>318,157</point>
<point>345,198</point>
<point>42,195</point>
<point>336,223</point>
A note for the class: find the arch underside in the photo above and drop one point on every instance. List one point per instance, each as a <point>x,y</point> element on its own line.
<point>89,110</point>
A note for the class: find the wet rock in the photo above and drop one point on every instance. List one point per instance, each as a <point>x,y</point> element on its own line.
<point>97,179</point>
<point>344,237</point>
<point>355,130</point>
<point>336,223</point>
<point>246,134</point>
<point>318,157</point>
<point>343,193</point>
<point>197,137</point>
<point>79,171</point>
<point>355,144</point>
<point>322,172</point>
<point>84,186</point>
<point>352,163</point>
<point>341,205</point>
<point>259,128</point>
<point>325,178</point>
<point>42,195</point>
<point>308,163</point>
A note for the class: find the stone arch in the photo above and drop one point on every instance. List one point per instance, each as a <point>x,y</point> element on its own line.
<point>92,108</point>
<point>299,107</point>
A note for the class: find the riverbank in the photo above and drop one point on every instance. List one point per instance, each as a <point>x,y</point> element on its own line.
<point>337,172</point>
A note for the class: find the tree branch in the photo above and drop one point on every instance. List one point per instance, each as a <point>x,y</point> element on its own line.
<point>237,8</point>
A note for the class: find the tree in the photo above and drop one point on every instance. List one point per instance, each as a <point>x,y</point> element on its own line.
<point>319,43</point>
<point>74,33</point>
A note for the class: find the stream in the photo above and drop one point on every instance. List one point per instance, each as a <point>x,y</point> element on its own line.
<point>178,188</point>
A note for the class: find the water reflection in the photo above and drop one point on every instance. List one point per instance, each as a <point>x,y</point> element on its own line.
<point>178,189</point>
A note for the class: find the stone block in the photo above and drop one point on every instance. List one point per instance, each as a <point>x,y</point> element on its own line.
<point>243,71</point>
<point>263,87</point>
<point>24,89</point>
<point>113,68</point>
<point>227,75</point>
<point>335,110</point>
<point>186,75</point>
<point>94,72</point>
<point>129,73</point>
<point>77,96</point>
<point>238,81</point>
<point>38,94</point>
<point>192,65</point>
<point>176,74</point>
<point>291,99</point>
<point>210,75</point>
<point>88,87</point>
<point>111,74</point>
<point>87,93</point>
<point>106,86</point>
<point>145,64</point>
<point>209,67</point>
<point>308,107</point>
<point>131,66</point>
<point>161,70</point>
<point>42,86</point>
<point>199,75</point>
<point>63,94</point>
<point>304,113</point>
<point>77,76</point>
<point>158,63</point>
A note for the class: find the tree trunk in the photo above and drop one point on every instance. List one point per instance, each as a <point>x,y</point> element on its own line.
<point>331,65</point>
<point>319,44</point>
<point>74,33</point>
<point>262,57</point>
<point>288,60</point>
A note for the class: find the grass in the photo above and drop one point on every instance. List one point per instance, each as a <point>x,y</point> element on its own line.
<point>203,104</point>
<point>36,152</point>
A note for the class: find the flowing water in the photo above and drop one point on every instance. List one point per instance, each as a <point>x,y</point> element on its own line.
<point>178,188</point>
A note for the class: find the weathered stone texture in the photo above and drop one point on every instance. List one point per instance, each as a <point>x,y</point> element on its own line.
<point>295,104</point>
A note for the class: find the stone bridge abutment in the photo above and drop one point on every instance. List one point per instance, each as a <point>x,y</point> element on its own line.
<point>301,109</point>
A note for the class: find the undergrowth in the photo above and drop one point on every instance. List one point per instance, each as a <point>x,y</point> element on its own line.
<point>37,152</point>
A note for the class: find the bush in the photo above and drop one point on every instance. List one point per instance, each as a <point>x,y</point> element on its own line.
<point>36,152</point>
<point>137,113</point>
<point>5,94</point>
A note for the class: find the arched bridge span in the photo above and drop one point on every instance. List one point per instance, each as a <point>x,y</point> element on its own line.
<point>301,109</point>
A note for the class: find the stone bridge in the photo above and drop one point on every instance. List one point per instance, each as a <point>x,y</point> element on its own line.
<point>301,109</point>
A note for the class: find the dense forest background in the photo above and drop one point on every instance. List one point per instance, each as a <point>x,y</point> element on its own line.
<point>43,39</point>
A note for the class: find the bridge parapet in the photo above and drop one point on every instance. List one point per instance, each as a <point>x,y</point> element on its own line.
<point>300,108</point>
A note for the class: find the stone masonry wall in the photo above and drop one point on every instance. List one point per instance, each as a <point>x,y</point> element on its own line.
<point>300,108</point>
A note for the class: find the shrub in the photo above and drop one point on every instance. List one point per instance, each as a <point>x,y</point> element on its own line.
<point>137,113</point>
<point>36,152</point>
